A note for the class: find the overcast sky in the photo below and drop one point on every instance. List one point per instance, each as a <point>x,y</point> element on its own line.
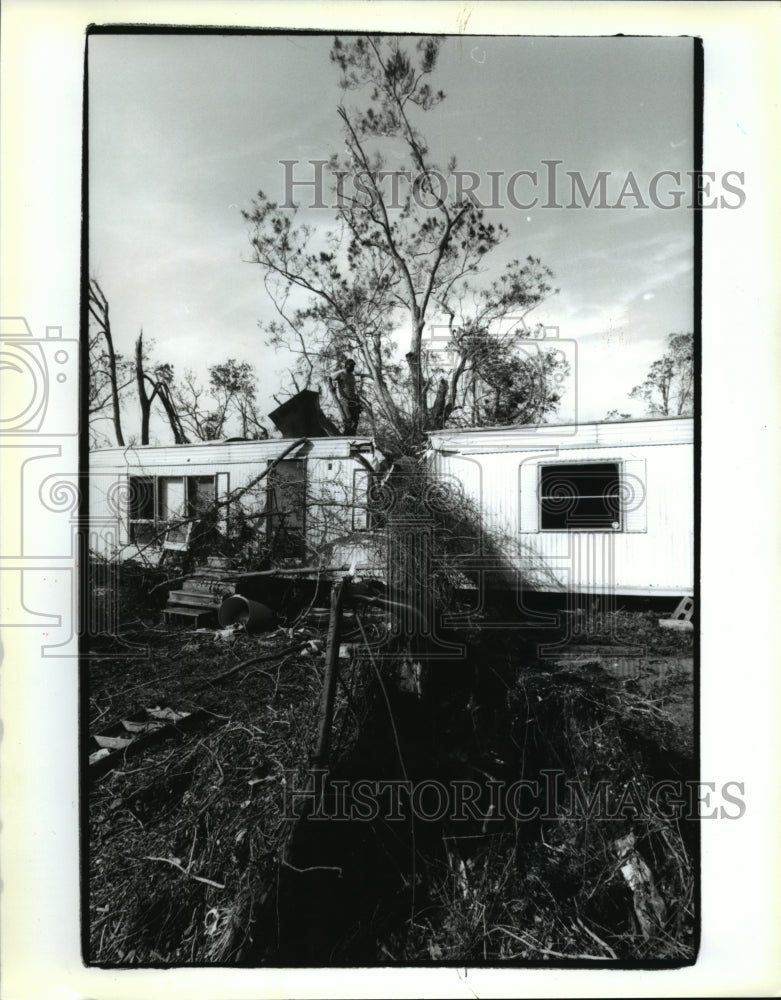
<point>184,130</point>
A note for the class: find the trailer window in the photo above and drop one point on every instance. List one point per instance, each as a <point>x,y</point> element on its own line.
<point>161,508</point>
<point>583,496</point>
<point>201,494</point>
<point>172,510</point>
<point>141,509</point>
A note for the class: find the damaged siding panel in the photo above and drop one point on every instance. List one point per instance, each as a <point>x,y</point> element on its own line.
<point>670,507</point>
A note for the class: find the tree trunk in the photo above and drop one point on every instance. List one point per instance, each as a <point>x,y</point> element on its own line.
<point>173,417</point>
<point>100,301</point>
<point>143,399</point>
<point>419,402</point>
<point>114,393</point>
<point>337,400</point>
<point>439,409</point>
<point>112,368</point>
<point>372,356</point>
<point>331,667</point>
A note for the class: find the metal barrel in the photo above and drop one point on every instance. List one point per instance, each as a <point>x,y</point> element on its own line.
<point>255,617</point>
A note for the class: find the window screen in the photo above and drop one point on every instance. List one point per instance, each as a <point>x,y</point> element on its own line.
<point>580,496</point>
<point>201,494</point>
<point>161,508</point>
<point>142,497</point>
<point>170,493</point>
<point>141,510</point>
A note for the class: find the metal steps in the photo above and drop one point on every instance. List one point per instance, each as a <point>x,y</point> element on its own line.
<point>183,615</point>
<point>201,594</point>
<point>194,600</point>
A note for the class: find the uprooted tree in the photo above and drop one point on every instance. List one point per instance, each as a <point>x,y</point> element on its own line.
<point>401,264</point>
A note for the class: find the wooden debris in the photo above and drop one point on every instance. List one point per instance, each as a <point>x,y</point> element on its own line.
<point>166,714</point>
<point>331,668</point>
<point>679,624</point>
<point>134,726</point>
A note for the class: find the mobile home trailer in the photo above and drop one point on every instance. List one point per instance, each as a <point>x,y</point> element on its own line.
<point>307,497</point>
<point>593,508</point>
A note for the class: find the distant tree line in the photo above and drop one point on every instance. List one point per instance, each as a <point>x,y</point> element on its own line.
<point>120,385</point>
<point>668,388</point>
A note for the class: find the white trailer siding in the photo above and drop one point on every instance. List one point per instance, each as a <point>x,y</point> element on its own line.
<point>649,548</point>
<point>334,476</point>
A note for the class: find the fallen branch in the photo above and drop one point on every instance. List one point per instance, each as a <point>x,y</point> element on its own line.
<point>198,878</point>
<point>313,868</point>
<point>545,951</point>
<point>331,669</point>
<point>595,937</point>
<point>267,657</point>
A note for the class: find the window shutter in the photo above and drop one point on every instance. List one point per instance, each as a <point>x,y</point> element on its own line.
<point>634,499</point>
<point>222,487</point>
<point>528,477</point>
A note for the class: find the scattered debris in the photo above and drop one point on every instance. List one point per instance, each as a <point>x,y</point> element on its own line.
<point>229,634</point>
<point>146,728</point>
<point>650,908</point>
<point>112,742</point>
